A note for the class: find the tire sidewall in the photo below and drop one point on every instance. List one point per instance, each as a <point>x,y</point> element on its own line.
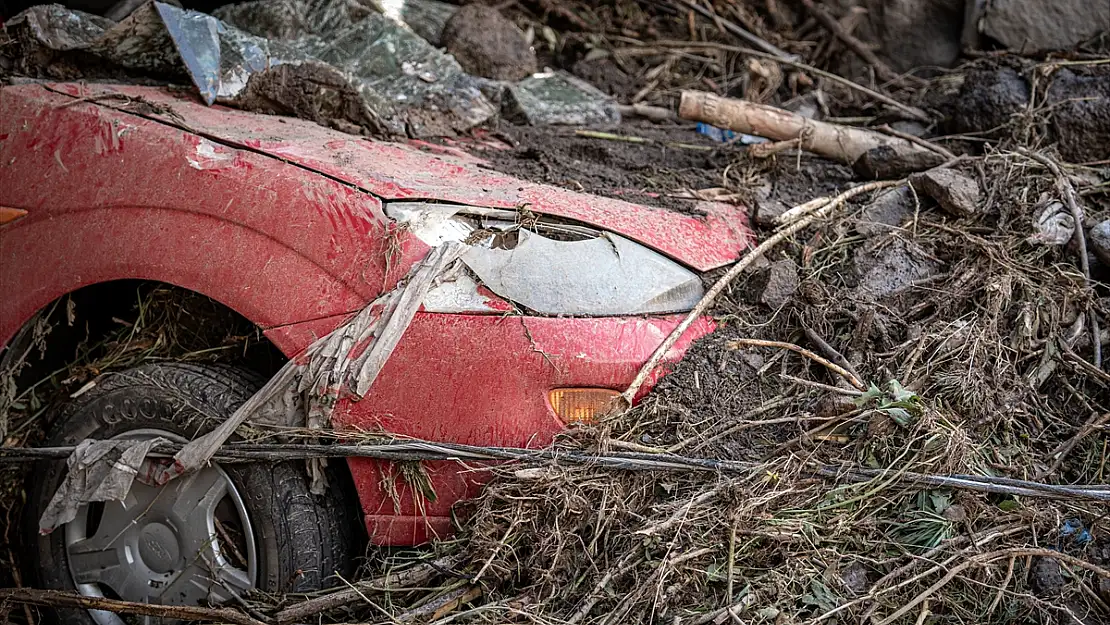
<point>185,400</point>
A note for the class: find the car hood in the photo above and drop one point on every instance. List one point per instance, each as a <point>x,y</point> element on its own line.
<point>395,171</point>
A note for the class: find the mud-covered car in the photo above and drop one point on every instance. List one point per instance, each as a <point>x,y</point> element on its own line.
<point>559,299</point>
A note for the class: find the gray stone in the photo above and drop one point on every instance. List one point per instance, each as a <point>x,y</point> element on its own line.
<point>916,33</point>
<point>768,210</point>
<point>956,193</point>
<point>1099,241</point>
<point>855,579</point>
<point>885,212</point>
<point>488,44</point>
<point>1031,26</point>
<point>887,163</point>
<point>775,286</point>
<point>891,268</point>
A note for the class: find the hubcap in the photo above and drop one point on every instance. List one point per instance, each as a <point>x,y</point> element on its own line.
<point>189,542</point>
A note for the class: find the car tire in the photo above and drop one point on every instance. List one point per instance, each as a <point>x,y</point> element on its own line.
<point>301,540</point>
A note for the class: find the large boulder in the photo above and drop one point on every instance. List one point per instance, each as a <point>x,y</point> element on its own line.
<point>1032,26</point>
<point>916,33</point>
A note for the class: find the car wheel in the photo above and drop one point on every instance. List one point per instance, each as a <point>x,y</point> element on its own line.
<point>203,539</point>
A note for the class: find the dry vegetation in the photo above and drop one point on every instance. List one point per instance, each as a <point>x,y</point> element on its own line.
<point>926,458</point>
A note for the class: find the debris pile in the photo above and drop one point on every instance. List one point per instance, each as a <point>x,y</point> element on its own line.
<point>901,418</point>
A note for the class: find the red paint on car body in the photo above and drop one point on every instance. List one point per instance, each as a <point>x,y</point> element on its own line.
<point>282,221</point>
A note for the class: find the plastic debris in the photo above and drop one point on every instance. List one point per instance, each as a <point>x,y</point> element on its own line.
<point>727,136</point>
<point>1074,529</point>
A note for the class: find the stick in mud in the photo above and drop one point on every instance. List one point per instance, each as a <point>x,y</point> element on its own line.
<point>835,141</point>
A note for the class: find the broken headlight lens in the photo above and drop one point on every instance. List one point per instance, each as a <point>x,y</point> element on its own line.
<point>554,268</point>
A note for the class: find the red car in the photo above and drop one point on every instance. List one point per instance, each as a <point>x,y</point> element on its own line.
<point>296,227</point>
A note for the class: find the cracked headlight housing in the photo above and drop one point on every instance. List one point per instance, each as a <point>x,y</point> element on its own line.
<point>554,268</point>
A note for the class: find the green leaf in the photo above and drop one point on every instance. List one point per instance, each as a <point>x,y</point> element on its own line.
<point>940,502</point>
<point>901,416</point>
<point>868,396</point>
<point>899,392</point>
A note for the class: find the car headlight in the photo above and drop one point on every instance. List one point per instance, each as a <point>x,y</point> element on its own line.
<point>553,268</point>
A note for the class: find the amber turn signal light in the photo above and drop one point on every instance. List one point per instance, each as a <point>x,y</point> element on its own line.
<point>8,215</point>
<point>582,405</point>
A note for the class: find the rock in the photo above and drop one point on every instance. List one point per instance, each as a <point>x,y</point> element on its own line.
<point>1099,241</point>
<point>887,211</point>
<point>855,579</point>
<point>488,44</point>
<point>767,210</point>
<point>891,268</point>
<point>775,286</point>
<point>955,513</point>
<point>956,193</point>
<point>1048,577</point>
<point>886,163</point>
<point>1080,106</point>
<point>1032,26</point>
<point>988,99</point>
<point>915,33</point>
<point>559,98</point>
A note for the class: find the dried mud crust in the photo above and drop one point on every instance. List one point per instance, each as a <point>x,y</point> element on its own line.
<point>652,173</point>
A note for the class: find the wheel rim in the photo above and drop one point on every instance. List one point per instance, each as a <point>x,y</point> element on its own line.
<point>189,542</point>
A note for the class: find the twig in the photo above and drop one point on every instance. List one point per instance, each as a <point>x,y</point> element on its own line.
<point>765,150</point>
<point>441,605</point>
<point>654,113</point>
<point>925,143</point>
<point>744,423</point>
<point>733,28</point>
<point>64,599</point>
<point>802,210</point>
<point>1063,185</point>
<point>718,287</point>
<point>835,368</point>
<point>627,563</point>
<point>855,45</point>
<point>413,576</point>
<point>1015,552</point>
<point>910,111</point>
<point>830,352</point>
<point>1064,448</point>
<point>608,136</point>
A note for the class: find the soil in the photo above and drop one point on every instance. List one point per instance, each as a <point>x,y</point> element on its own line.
<point>309,91</point>
<point>1073,105</point>
<point>655,173</point>
<point>1081,114</point>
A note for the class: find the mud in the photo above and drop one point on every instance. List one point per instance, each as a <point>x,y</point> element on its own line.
<point>1081,115</point>
<point>1070,105</point>
<point>310,91</point>
<point>488,44</point>
<point>656,173</point>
